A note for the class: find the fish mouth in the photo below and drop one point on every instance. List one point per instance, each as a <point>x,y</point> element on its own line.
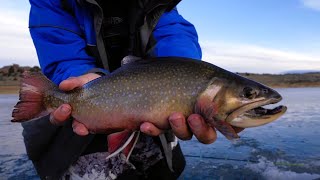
<point>254,114</point>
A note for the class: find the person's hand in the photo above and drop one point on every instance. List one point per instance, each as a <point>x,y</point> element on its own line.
<point>63,112</point>
<point>184,128</point>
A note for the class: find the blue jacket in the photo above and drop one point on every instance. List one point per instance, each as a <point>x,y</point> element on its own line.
<point>60,38</point>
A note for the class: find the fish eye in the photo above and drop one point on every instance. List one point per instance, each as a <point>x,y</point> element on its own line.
<point>265,91</point>
<point>249,93</point>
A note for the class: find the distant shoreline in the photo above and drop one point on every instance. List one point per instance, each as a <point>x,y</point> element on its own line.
<point>286,80</point>
<point>9,89</point>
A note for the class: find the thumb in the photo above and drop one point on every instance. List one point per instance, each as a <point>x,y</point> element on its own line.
<point>79,128</point>
<point>70,83</point>
<point>60,115</point>
<point>76,82</point>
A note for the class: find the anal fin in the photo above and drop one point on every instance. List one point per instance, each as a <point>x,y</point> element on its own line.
<point>124,142</point>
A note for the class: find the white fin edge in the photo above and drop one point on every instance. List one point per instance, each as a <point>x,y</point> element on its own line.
<point>122,147</point>
<point>134,144</point>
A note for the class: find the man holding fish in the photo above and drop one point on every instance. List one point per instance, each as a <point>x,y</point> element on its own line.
<point>79,41</point>
<point>124,68</point>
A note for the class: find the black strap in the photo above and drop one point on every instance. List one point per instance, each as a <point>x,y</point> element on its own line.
<point>66,7</point>
<point>155,4</point>
<point>144,16</point>
<point>140,10</point>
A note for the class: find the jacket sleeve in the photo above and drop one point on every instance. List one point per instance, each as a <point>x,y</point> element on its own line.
<point>176,36</point>
<point>58,39</point>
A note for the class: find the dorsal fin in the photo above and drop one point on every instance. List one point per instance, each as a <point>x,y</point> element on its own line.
<point>129,59</point>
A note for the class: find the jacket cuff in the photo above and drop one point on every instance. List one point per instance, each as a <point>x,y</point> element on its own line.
<point>42,124</point>
<point>37,135</point>
<point>100,71</point>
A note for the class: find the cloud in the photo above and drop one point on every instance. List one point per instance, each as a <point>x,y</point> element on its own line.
<point>313,4</point>
<point>257,59</point>
<point>15,42</point>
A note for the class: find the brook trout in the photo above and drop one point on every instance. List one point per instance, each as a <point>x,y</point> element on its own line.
<point>149,91</point>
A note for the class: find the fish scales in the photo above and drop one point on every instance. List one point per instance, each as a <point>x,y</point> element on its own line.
<point>140,92</point>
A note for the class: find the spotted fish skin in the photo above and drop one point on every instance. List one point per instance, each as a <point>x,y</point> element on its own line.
<point>149,91</point>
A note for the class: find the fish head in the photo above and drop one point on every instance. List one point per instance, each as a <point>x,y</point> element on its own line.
<point>235,101</point>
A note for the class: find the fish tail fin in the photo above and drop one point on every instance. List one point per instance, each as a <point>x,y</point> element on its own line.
<point>33,87</point>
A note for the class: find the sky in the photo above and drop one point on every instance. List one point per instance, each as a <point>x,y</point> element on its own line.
<point>265,36</point>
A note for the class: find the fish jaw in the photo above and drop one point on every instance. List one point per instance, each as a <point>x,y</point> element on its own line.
<point>209,110</point>
<point>253,114</point>
<point>237,102</point>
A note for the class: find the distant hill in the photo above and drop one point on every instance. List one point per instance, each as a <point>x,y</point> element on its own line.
<point>10,75</point>
<point>286,80</point>
<point>13,69</point>
<point>301,71</point>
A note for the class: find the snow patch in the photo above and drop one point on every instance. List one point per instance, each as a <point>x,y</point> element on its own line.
<point>269,170</point>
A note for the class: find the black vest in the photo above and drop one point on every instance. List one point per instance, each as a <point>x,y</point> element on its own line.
<point>126,28</point>
<point>115,30</point>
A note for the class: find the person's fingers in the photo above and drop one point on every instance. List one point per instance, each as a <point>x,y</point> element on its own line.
<point>70,83</point>
<point>74,82</point>
<point>203,132</point>
<point>79,128</point>
<point>179,126</point>
<point>60,115</point>
<point>150,129</point>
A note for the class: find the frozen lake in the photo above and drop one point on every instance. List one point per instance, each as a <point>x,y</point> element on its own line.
<point>288,148</point>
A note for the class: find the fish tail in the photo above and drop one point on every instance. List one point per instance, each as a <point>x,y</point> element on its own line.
<point>33,87</point>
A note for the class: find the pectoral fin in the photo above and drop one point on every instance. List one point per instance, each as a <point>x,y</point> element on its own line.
<point>226,129</point>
